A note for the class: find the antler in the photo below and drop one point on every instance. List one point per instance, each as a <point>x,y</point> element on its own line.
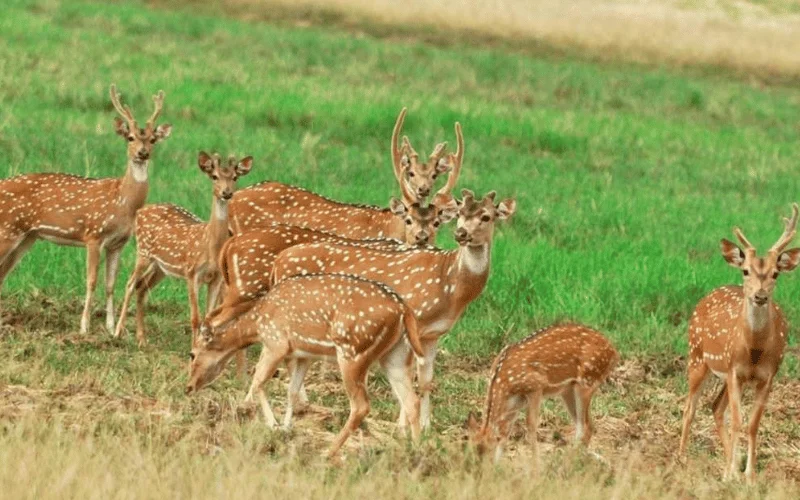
<point>438,153</point>
<point>397,153</point>
<point>124,111</point>
<point>790,226</point>
<point>456,160</point>
<point>158,100</point>
<point>740,236</point>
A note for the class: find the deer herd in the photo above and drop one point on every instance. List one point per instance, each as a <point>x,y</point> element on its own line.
<point>310,278</point>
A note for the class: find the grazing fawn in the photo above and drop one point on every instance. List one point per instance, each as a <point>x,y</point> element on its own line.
<point>739,334</point>
<point>568,360</point>
<point>70,210</point>
<point>267,203</point>
<point>322,316</point>
<point>246,259</point>
<point>438,285</point>
<point>171,241</point>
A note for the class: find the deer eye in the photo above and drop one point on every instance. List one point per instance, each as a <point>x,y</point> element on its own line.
<point>235,177</point>
<point>408,222</point>
<point>775,275</point>
<point>434,176</point>
<point>153,140</point>
<point>191,356</point>
<point>411,174</point>
<point>214,177</point>
<point>436,223</point>
<point>131,138</point>
<point>745,272</point>
<point>486,218</point>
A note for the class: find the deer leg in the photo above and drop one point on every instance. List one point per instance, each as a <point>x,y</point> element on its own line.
<point>425,379</point>
<point>214,289</point>
<point>762,393</point>
<point>142,267</point>
<point>583,402</point>
<point>10,254</point>
<point>92,262</point>
<point>112,267</point>
<point>697,375</point>
<point>298,369</point>
<point>735,400</point>
<point>569,400</point>
<point>265,369</point>
<point>399,376</point>
<point>194,306</point>
<point>720,406</point>
<point>143,286</point>
<point>534,403</point>
<point>354,376</point>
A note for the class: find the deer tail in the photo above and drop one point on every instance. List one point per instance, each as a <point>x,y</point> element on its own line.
<point>412,330</point>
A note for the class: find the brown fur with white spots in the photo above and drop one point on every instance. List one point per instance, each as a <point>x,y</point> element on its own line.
<point>357,321</point>
<point>416,178</point>
<point>70,210</point>
<point>246,259</point>
<point>739,334</point>
<point>437,284</point>
<point>568,360</point>
<point>171,241</point>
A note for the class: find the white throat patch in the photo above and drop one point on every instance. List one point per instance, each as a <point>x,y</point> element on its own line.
<point>757,316</point>
<point>139,170</point>
<point>475,259</point>
<point>221,209</point>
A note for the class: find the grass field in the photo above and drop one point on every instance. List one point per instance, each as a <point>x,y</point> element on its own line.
<point>626,178</point>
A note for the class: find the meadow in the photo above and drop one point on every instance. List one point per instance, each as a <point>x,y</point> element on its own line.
<point>626,177</point>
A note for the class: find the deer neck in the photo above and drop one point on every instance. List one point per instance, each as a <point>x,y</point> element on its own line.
<point>134,185</point>
<point>758,321</point>
<point>472,271</point>
<point>217,231</point>
<point>389,225</point>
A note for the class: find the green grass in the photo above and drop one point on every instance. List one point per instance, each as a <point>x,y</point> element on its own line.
<point>626,178</point>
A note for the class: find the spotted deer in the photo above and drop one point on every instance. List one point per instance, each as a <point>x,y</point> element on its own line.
<point>569,360</point>
<point>353,320</point>
<point>438,285</point>
<point>738,333</point>
<point>264,204</point>
<point>171,241</point>
<point>70,210</point>
<point>415,178</point>
<point>246,259</point>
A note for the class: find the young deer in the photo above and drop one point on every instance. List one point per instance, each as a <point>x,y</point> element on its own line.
<point>94,213</point>
<point>267,203</point>
<point>171,241</point>
<point>323,316</point>
<point>739,333</point>
<point>246,259</point>
<point>568,360</point>
<point>438,285</point>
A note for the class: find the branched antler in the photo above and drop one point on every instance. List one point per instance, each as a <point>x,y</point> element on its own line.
<point>790,228</point>
<point>397,152</point>
<point>740,236</point>
<point>124,111</point>
<point>455,161</point>
<point>158,101</point>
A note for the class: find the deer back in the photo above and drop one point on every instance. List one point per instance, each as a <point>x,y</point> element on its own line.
<point>267,203</point>
<point>68,209</point>
<point>717,331</point>
<point>171,234</point>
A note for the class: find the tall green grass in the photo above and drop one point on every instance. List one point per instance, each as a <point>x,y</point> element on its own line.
<point>626,178</point>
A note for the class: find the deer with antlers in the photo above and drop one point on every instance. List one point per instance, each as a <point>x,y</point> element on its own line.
<point>353,320</point>
<point>70,210</point>
<point>568,360</point>
<point>246,259</point>
<point>739,334</point>
<point>171,241</point>
<point>264,204</point>
<point>438,285</point>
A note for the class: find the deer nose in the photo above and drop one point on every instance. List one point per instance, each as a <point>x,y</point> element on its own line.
<point>460,234</point>
<point>423,191</point>
<point>227,194</point>
<point>761,297</point>
<point>422,237</point>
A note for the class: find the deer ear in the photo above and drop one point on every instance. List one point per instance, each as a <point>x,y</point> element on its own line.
<point>506,209</point>
<point>732,254</point>
<point>448,207</point>
<point>121,127</point>
<point>788,260</point>
<point>163,131</point>
<point>397,207</point>
<point>443,166</point>
<point>244,166</point>
<point>472,423</point>
<point>205,162</point>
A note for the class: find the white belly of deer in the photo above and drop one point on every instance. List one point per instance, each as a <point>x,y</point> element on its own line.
<point>438,327</point>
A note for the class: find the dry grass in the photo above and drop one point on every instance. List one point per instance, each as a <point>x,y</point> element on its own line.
<point>756,37</point>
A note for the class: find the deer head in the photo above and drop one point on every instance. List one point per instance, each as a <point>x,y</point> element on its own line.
<point>224,177</point>
<point>140,140</point>
<point>760,274</point>
<point>476,218</point>
<point>208,358</point>
<point>480,437</point>
<point>422,223</point>
<point>416,178</point>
